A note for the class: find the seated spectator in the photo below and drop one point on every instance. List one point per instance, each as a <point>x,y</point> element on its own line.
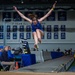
<point>6,54</point>
<point>5,57</point>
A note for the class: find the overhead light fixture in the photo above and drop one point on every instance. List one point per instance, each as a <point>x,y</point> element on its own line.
<point>22,1</point>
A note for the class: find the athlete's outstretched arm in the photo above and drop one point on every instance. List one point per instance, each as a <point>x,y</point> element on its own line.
<point>24,17</point>
<point>45,16</point>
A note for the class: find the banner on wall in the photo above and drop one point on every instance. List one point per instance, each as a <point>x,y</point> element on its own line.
<point>1,35</point>
<point>14,35</point>
<point>16,17</point>
<point>28,35</point>
<point>63,32</point>
<point>6,15</point>
<point>62,15</point>
<point>63,28</point>
<point>51,17</point>
<point>8,28</point>
<point>56,34</point>
<point>28,28</point>
<point>63,35</point>
<point>1,32</point>
<point>15,28</point>
<point>56,28</point>
<point>21,28</point>
<point>1,28</point>
<point>49,35</point>
<point>8,35</point>
<point>48,28</point>
<point>21,35</point>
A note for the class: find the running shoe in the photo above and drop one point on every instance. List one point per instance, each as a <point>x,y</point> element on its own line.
<point>36,46</point>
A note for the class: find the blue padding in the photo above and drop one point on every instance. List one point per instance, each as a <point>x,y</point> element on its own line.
<point>56,54</point>
<point>1,47</point>
<point>0,53</point>
<point>28,59</point>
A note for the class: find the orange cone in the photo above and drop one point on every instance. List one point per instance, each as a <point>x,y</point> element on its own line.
<point>16,66</point>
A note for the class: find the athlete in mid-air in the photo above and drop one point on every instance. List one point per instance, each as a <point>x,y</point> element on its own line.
<point>37,30</point>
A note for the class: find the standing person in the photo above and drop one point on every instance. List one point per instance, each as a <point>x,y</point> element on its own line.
<point>36,24</point>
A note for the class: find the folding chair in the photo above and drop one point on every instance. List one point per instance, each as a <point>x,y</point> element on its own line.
<point>6,66</point>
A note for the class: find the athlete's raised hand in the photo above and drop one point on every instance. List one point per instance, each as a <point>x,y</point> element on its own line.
<point>15,8</point>
<point>54,4</point>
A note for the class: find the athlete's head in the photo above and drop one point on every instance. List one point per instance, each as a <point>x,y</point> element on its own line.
<point>33,17</point>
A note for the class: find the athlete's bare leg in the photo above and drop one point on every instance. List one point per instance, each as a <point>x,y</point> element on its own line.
<point>42,33</point>
<point>35,39</point>
<point>39,34</point>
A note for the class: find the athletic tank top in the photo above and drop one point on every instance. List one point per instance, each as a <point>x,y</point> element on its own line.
<point>37,26</point>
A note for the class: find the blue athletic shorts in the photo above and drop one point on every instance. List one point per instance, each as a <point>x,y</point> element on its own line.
<point>37,26</point>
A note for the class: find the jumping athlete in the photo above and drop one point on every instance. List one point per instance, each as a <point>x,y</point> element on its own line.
<point>37,30</point>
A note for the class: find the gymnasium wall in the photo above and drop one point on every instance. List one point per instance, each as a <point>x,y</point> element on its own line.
<point>60,34</point>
